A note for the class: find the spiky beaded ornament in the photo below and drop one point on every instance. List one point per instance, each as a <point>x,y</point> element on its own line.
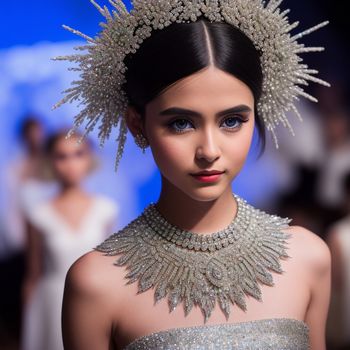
<point>103,69</point>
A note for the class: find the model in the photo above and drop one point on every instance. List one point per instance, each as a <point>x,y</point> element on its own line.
<point>60,230</point>
<point>201,268</point>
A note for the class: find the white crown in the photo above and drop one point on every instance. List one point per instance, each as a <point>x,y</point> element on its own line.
<point>102,67</point>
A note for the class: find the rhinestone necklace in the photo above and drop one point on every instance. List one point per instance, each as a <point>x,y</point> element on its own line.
<point>200,269</point>
<point>195,241</point>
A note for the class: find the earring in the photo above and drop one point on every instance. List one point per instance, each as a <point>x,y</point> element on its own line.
<point>141,142</point>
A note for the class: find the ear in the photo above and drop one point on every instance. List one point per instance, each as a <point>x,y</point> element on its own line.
<point>134,121</point>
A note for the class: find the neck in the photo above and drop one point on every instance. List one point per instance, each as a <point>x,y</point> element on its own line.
<point>70,190</point>
<point>34,151</point>
<point>202,217</point>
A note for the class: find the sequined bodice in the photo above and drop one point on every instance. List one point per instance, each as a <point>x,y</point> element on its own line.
<point>271,333</point>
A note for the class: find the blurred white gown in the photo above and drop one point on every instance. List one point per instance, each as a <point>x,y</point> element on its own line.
<point>62,245</point>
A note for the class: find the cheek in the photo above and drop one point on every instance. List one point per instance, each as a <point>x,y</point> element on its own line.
<point>236,157</point>
<point>177,152</point>
<point>236,148</point>
<point>170,152</point>
<point>80,166</point>
<point>72,167</point>
<point>59,166</point>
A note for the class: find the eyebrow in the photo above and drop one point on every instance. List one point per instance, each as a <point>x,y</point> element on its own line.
<point>188,112</point>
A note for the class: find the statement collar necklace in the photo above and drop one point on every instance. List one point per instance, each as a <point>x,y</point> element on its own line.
<point>198,269</point>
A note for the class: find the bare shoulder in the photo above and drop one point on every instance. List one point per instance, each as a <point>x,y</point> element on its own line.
<point>315,259</point>
<point>313,251</point>
<point>90,309</point>
<point>94,274</point>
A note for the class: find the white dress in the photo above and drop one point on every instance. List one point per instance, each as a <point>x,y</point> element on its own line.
<point>61,247</point>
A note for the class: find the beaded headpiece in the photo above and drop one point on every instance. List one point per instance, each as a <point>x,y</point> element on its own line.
<point>103,69</point>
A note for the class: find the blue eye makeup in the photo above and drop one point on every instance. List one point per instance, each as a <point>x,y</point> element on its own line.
<point>230,123</point>
<point>233,122</point>
<point>180,125</point>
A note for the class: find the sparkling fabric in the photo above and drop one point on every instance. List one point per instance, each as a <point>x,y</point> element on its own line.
<point>194,269</point>
<point>273,333</point>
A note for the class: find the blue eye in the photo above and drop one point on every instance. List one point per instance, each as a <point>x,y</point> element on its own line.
<point>233,122</point>
<point>182,125</point>
<point>179,125</point>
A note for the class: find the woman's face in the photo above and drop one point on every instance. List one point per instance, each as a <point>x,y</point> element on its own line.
<point>34,136</point>
<point>203,123</point>
<point>71,161</point>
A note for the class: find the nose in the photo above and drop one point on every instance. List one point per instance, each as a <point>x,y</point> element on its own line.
<point>208,148</point>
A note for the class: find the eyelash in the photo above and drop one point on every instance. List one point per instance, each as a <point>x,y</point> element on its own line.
<point>237,117</point>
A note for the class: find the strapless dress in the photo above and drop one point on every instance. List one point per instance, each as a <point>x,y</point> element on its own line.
<point>270,333</point>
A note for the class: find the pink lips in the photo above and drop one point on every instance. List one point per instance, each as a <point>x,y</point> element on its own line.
<point>208,175</point>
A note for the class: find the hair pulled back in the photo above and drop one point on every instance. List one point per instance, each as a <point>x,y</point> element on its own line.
<point>182,49</point>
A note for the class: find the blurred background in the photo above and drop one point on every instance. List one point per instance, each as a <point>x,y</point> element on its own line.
<point>46,184</point>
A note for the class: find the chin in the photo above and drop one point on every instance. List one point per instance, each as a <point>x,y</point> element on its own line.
<point>206,193</point>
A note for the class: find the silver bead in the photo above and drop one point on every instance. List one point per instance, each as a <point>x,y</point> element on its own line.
<point>141,142</point>
<point>103,70</point>
<point>203,269</point>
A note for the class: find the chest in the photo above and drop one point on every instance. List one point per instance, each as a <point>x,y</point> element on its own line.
<point>63,243</point>
<point>139,315</point>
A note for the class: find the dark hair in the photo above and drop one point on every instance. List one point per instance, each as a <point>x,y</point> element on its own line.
<point>53,138</point>
<point>29,121</point>
<point>180,50</point>
<point>346,184</point>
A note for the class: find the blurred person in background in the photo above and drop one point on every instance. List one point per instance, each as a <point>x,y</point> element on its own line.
<point>317,198</point>
<point>25,184</point>
<point>336,156</point>
<point>26,181</point>
<point>338,239</point>
<point>60,230</point>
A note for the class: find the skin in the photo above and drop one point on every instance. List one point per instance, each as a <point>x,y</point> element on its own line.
<point>101,312</point>
<point>33,139</point>
<point>71,164</point>
<point>32,168</point>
